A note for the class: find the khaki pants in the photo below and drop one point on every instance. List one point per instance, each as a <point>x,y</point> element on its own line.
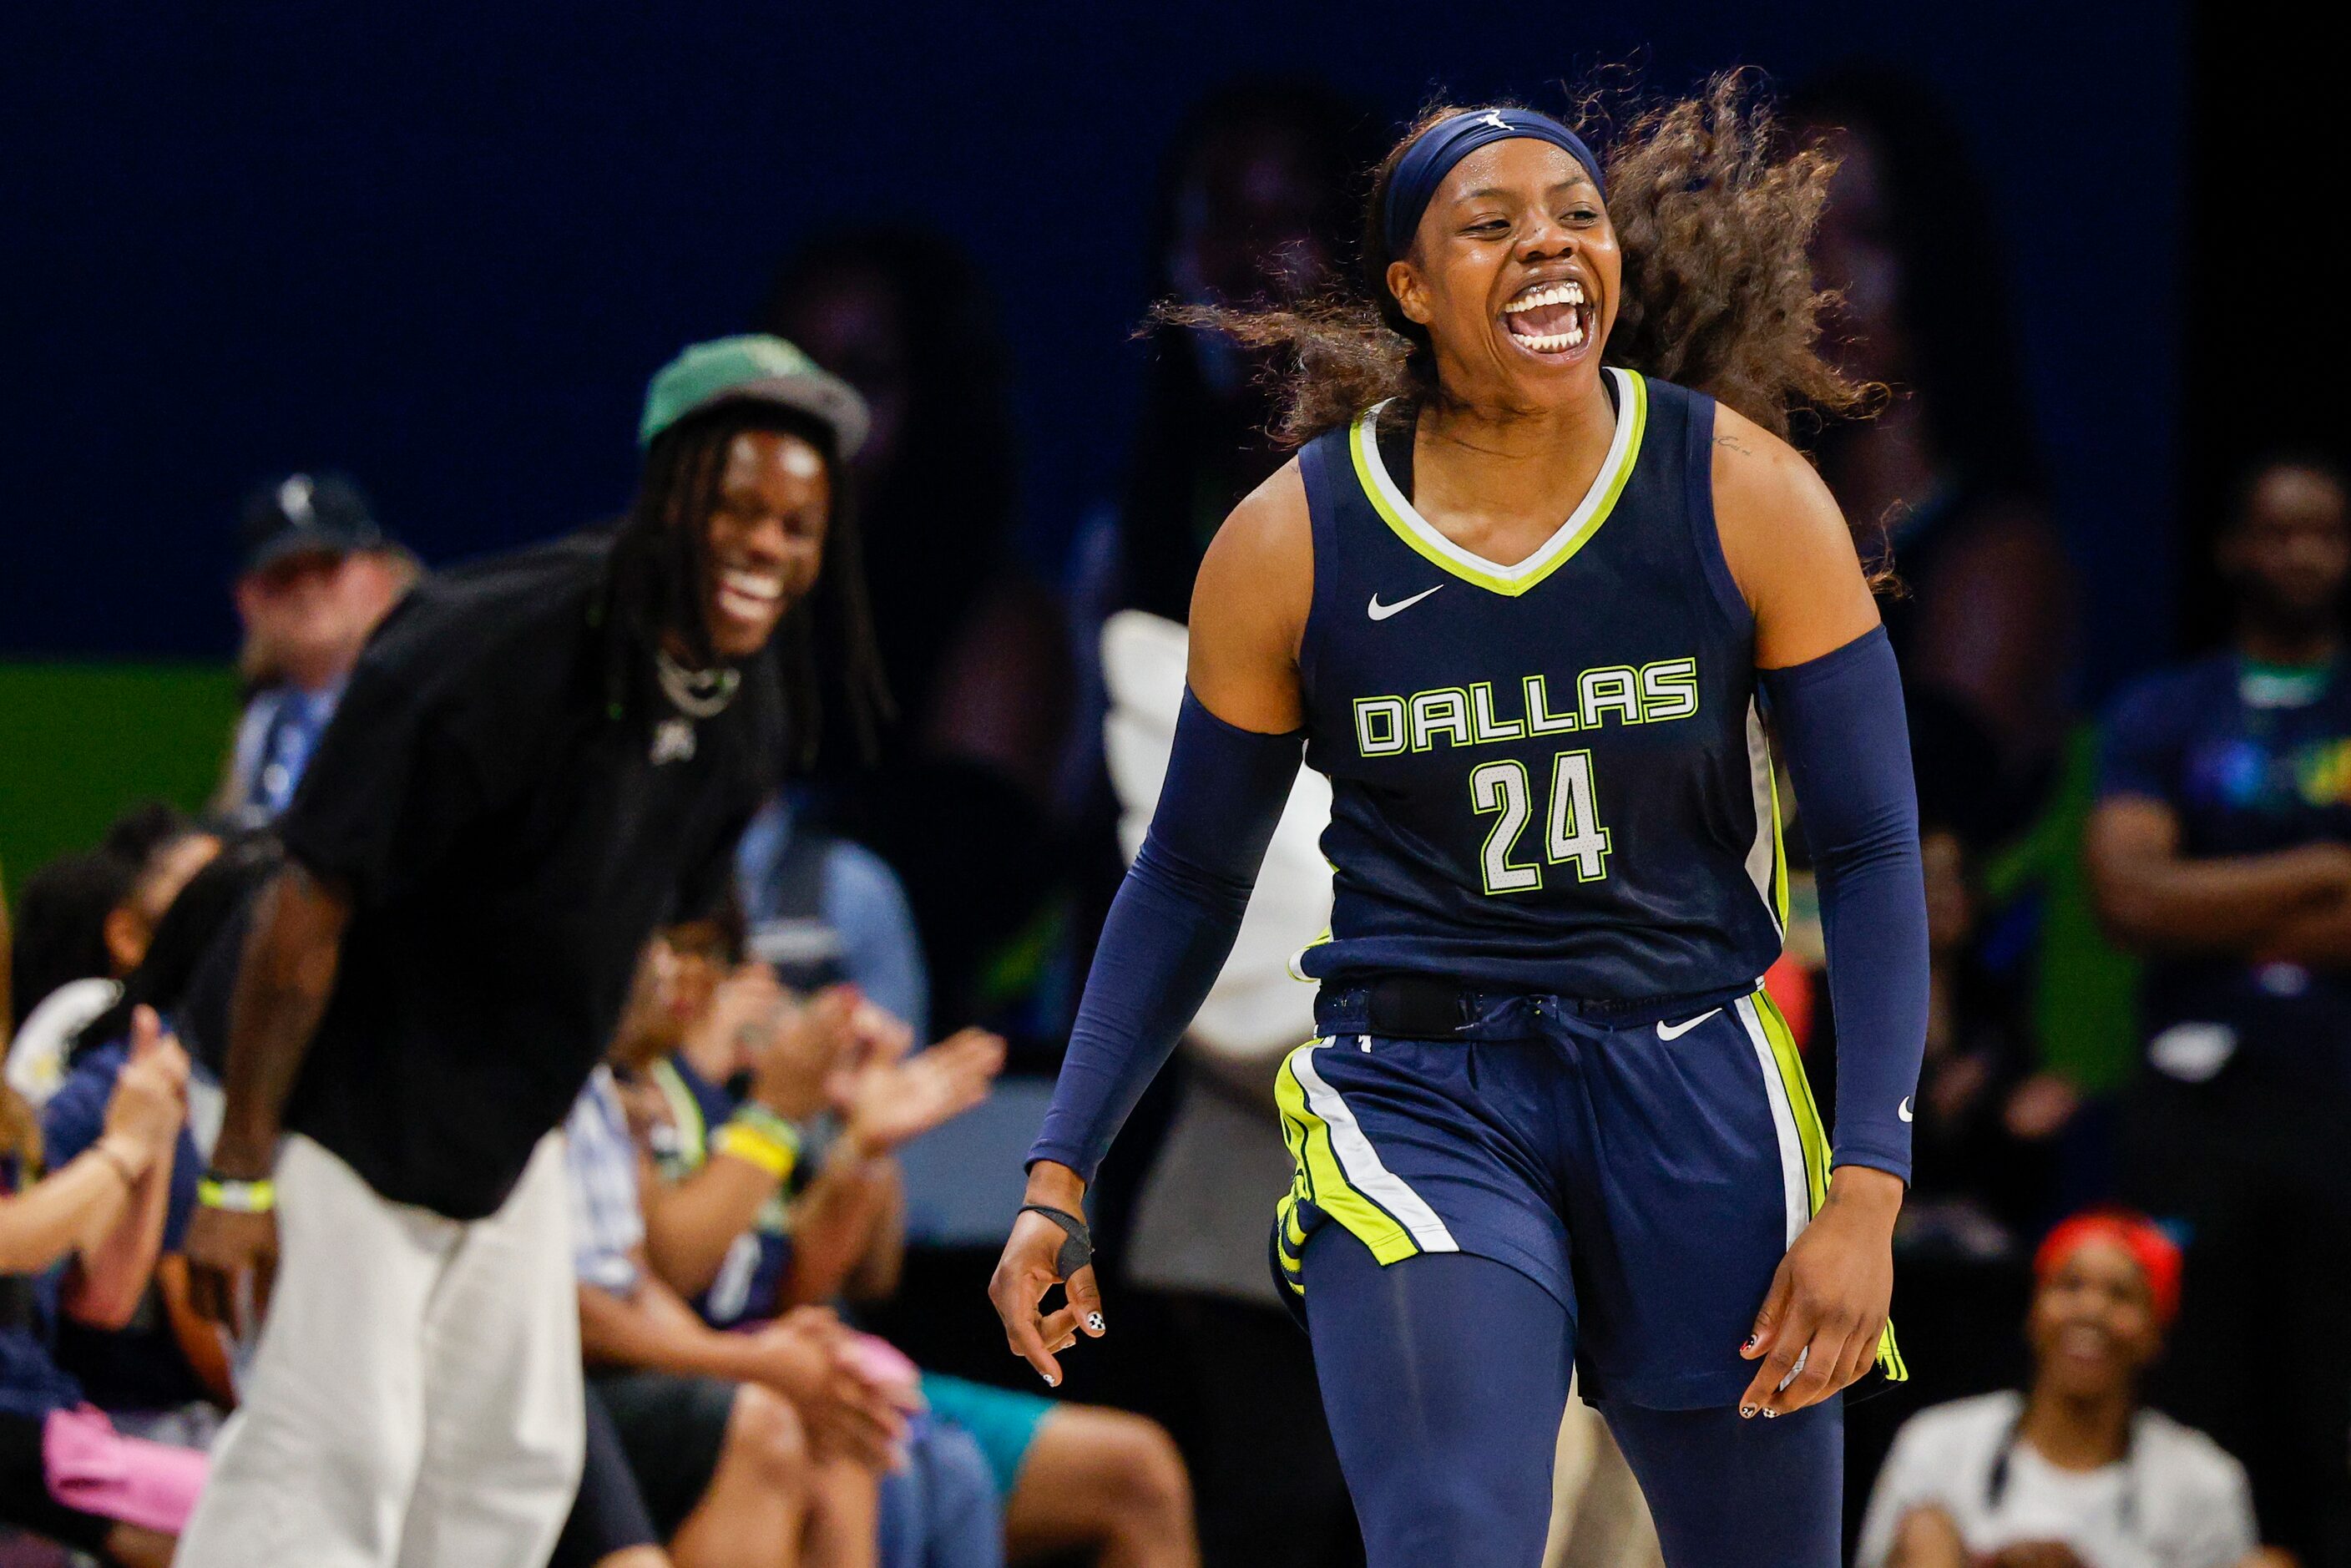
<point>415,1398</point>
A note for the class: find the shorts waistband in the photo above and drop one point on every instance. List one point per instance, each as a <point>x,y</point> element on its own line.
<point>1426,1007</point>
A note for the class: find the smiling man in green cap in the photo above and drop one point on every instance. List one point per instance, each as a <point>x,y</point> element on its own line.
<point>538,761</point>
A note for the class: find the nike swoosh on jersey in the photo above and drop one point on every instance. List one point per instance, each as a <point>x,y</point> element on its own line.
<point>1379,611</point>
<point>1676,1030</point>
<point>1902,1109</point>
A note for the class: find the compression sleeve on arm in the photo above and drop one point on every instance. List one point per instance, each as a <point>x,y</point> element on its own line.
<point>1171,926</point>
<point>1841,725</point>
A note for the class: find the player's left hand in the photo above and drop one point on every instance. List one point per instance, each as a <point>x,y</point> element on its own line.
<point>1819,1327</point>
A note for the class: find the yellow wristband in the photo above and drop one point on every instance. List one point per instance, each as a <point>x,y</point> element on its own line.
<point>237,1196</point>
<point>760,1136</point>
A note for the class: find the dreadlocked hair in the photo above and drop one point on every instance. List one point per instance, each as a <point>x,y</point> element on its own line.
<point>660,560</point>
<point>1713,216</point>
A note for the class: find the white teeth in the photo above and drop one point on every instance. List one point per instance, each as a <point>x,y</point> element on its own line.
<point>1568,293</point>
<point>1552,342</point>
<point>752,585</point>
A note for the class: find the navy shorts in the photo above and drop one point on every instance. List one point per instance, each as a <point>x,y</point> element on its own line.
<point>1649,1173</point>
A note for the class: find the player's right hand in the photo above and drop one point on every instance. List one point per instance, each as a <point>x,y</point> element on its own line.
<point>1030,1267</point>
<point>232,1255</point>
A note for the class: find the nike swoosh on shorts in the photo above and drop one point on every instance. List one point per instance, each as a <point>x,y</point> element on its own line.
<point>1676,1030</point>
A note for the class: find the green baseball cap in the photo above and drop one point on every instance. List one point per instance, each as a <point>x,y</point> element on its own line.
<point>752,368</point>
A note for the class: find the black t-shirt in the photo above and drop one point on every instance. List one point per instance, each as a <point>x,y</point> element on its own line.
<point>511,820</point>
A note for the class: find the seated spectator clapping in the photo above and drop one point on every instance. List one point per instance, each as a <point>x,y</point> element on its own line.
<point>2073,1472</point>
<point>699,1439</point>
<point>1069,1477</point>
<point>164,1371</point>
<point>64,1473</point>
<point>721,1229</point>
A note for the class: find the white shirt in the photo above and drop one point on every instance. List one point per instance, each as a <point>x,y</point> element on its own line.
<point>2178,1501</point>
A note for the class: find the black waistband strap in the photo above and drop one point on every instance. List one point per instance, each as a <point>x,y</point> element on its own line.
<point>1428,1007</point>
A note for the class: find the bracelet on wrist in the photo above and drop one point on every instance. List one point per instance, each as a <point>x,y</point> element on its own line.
<point>757,1134</point>
<point>233,1197</point>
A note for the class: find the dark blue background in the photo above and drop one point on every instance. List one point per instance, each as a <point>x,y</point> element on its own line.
<point>442,247</point>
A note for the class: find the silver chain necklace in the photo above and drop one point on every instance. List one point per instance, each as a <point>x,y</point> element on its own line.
<point>697,694</point>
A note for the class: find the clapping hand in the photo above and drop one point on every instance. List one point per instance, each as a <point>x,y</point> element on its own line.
<point>797,1047</point>
<point>891,1098</point>
<point>853,1408</point>
<point>150,1102</point>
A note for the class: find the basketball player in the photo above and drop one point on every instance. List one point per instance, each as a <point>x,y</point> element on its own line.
<point>1528,602</point>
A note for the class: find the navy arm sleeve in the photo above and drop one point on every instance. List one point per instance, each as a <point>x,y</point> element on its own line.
<point>1171,926</point>
<point>1842,728</point>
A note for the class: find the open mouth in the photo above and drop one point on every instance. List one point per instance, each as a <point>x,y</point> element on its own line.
<point>1549,318</point>
<point>749,596</point>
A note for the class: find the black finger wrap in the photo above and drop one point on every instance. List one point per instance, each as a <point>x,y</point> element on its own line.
<point>1077,1242</point>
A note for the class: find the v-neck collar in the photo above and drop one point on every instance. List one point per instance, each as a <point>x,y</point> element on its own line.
<point>1397,510</point>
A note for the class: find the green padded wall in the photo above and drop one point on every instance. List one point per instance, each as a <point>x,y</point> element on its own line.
<point>78,742</point>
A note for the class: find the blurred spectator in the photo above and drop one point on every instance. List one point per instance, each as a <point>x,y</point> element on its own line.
<point>163,1373</point>
<point>2221,850</point>
<point>2073,1472</point>
<point>1256,199</point>
<point>822,910</point>
<point>317,577</point>
<point>64,1473</point>
<point>91,915</point>
<point>1950,467</point>
<point>717,1227</point>
<point>85,923</point>
<point>700,1440</point>
<point>1067,1477</point>
<point>972,645</point>
<point>60,936</point>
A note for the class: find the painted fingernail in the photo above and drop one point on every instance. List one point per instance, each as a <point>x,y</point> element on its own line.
<point>1051,1381</point>
<point>1746,1412</point>
<point>1751,1342</point>
<point>1770,1415</point>
<point>1094,1321</point>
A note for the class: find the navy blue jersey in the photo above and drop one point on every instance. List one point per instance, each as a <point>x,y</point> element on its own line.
<point>1549,777</point>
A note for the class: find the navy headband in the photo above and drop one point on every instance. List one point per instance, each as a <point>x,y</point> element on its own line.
<point>1434,152</point>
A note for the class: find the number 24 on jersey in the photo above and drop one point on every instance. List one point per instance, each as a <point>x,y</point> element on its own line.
<point>1573,835</point>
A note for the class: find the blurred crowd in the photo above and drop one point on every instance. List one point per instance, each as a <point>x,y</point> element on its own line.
<point>2123,1274</point>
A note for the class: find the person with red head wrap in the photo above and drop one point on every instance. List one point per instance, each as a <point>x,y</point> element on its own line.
<point>2073,1471</point>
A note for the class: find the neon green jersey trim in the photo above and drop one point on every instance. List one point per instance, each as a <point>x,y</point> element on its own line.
<point>1397,512</point>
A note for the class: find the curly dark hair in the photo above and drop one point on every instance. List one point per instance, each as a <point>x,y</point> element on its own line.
<point>1713,214</point>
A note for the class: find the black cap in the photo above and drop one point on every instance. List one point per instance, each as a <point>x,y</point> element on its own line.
<point>306,514</point>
